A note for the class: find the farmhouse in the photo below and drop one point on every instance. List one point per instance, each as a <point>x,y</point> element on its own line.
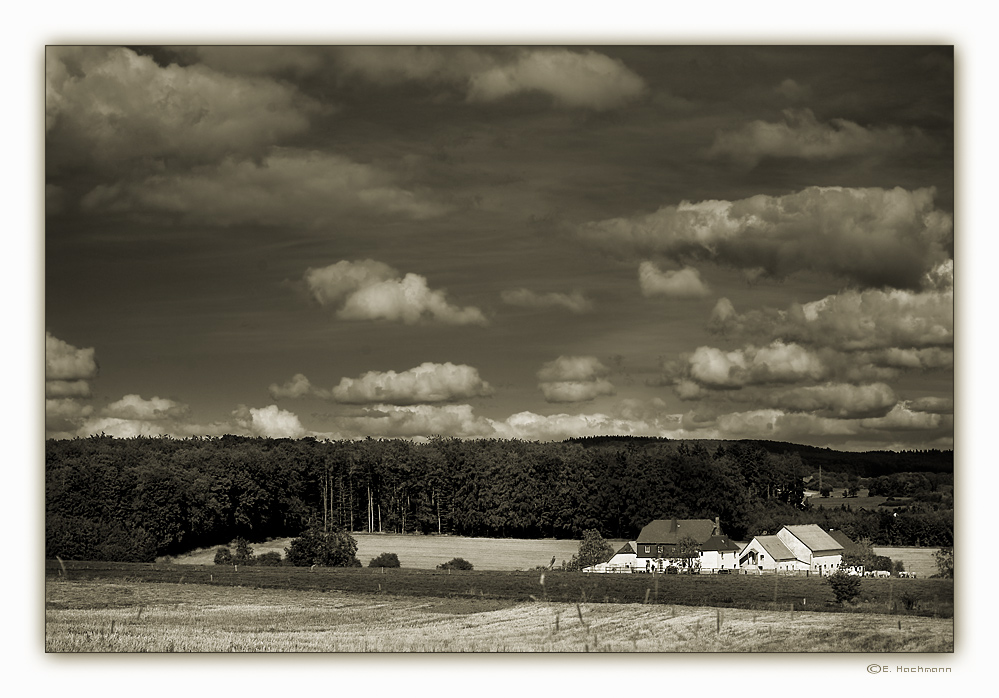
<point>806,548</point>
<point>685,543</point>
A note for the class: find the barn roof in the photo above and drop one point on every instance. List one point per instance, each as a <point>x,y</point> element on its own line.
<point>814,537</point>
<point>842,539</point>
<point>775,546</point>
<point>670,531</point>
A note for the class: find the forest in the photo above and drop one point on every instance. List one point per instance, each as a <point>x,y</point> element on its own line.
<point>135,499</point>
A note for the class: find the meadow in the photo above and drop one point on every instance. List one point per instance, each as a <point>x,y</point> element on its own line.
<point>426,552</point>
<point>122,615</point>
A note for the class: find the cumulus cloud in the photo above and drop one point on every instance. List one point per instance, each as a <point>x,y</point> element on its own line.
<point>574,379</point>
<point>417,421</point>
<point>370,290</point>
<point>427,383</point>
<point>114,110</point>
<point>574,302</point>
<point>903,418</point>
<point>853,320</point>
<point>64,362</point>
<point>874,237</point>
<point>573,79</point>
<point>936,405</point>
<point>838,400</point>
<point>801,135</point>
<point>134,407</point>
<point>778,362</point>
<point>269,422</point>
<point>297,387</point>
<point>682,283</point>
<point>70,389</point>
<point>65,414</point>
<point>284,186</point>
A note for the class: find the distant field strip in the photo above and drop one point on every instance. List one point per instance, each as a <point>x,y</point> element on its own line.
<point>98,616</point>
<point>426,552</point>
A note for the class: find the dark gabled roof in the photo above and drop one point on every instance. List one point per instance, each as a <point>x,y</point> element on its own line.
<point>670,531</point>
<point>721,544</point>
<point>626,549</point>
<point>817,540</point>
<point>842,539</point>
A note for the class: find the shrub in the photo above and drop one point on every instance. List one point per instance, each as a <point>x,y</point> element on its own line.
<point>945,563</point>
<point>223,556</point>
<point>335,548</point>
<point>845,587</point>
<point>593,550</point>
<point>244,553</point>
<point>385,560</point>
<point>271,558</point>
<point>456,563</point>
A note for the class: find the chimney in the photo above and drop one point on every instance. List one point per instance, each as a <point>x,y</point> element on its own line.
<point>717,531</point>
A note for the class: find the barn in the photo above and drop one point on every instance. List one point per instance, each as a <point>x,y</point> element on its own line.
<point>803,548</point>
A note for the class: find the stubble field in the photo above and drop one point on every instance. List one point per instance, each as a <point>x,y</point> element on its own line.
<point>98,615</point>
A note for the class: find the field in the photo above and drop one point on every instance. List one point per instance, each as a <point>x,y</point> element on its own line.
<point>426,552</point>
<point>922,561</point>
<point>101,615</point>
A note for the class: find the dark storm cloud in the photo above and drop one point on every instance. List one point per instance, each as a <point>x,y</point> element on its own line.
<point>874,237</point>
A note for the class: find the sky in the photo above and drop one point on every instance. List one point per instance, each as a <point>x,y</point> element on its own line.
<point>535,242</point>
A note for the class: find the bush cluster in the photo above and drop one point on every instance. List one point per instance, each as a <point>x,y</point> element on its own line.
<point>456,563</point>
<point>334,548</point>
<point>846,587</point>
<point>385,560</point>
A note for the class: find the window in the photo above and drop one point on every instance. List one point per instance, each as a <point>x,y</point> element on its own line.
<point>660,550</point>
<point>647,548</point>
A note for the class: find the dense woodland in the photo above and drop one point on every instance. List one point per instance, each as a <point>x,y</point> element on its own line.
<point>135,499</point>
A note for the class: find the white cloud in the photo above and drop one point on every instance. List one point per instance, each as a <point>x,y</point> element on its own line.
<point>308,188</point>
<point>775,363</point>
<point>574,379</point>
<point>297,387</point>
<point>838,400</point>
<point>874,237</point>
<point>64,362</point>
<point>902,418</point>
<point>417,421</point>
<point>576,391</point>
<point>574,302</point>
<point>269,422</point>
<point>428,382</point>
<point>111,109</point>
<point>800,135</point>
<point>133,407</point>
<point>574,79</point>
<point>370,290</point>
<point>58,389</point>
<point>682,283</point>
<point>937,405</point>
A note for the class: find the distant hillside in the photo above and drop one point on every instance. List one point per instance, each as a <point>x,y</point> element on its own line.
<point>865,464</point>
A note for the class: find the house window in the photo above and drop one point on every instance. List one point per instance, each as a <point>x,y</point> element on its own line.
<point>647,548</point>
<point>660,550</point>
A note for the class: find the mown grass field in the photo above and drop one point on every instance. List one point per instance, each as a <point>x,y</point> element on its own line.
<point>426,552</point>
<point>123,615</point>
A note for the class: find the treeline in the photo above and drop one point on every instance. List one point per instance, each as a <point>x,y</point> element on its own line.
<point>134,499</point>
